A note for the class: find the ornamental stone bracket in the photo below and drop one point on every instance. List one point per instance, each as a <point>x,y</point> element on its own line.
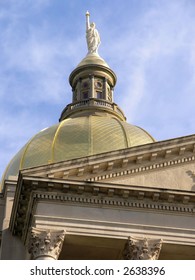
<point>142,249</point>
<point>45,244</point>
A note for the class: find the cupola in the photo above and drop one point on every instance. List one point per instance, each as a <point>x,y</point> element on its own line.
<point>92,82</point>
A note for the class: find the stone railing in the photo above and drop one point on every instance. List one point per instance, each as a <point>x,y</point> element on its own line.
<point>92,102</point>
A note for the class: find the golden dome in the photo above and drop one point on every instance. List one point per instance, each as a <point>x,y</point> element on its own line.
<point>75,138</point>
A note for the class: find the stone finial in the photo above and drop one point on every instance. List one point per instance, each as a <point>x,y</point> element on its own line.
<point>45,243</point>
<point>142,249</point>
<point>92,36</point>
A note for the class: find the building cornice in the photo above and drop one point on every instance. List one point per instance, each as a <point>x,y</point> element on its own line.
<point>145,168</point>
<point>30,190</point>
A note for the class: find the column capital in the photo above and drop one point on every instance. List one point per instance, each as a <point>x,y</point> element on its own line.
<point>142,249</point>
<point>45,244</point>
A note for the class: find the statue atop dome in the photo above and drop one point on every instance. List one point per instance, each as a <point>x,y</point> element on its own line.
<point>92,36</point>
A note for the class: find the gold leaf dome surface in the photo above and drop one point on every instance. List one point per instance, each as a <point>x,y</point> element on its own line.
<point>75,138</point>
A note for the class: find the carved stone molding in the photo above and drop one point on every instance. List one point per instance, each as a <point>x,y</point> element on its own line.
<point>140,169</point>
<point>45,244</point>
<point>142,249</point>
<point>31,190</point>
<point>154,204</point>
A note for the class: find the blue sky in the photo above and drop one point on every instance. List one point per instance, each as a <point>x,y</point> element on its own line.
<point>150,44</point>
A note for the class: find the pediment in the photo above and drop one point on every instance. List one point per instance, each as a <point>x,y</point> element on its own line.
<point>166,164</point>
<point>167,175</point>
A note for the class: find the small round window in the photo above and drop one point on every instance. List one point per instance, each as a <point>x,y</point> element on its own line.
<point>98,84</point>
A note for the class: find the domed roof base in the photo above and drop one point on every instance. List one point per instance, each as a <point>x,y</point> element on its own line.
<point>75,138</point>
<point>93,59</point>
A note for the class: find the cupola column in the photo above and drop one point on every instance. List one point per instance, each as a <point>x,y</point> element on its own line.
<point>79,90</point>
<point>45,244</point>
<point>105,89</point>
<point>92,89</point>
<point>142,249</point>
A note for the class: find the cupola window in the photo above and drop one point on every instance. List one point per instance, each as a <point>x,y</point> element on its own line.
<point>85,85</point>
<point>99,94</point>
<point>85,94</point>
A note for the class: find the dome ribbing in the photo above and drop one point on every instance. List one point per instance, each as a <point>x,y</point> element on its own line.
<point>75,138</point>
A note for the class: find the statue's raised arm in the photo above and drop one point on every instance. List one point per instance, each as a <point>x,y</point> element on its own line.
<point>92,36</point>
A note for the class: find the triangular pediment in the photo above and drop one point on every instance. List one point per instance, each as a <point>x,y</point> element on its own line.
<point>166,164</point>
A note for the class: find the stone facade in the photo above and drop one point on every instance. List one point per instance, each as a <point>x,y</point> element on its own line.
<point>93,211</point>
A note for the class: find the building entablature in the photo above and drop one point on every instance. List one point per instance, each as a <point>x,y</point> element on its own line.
<point>33,191</point>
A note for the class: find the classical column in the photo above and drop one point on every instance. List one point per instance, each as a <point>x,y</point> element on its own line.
<point>45,244</point>
<point>92,86</point>
<point>105,91</point>
<point>142,249</point>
